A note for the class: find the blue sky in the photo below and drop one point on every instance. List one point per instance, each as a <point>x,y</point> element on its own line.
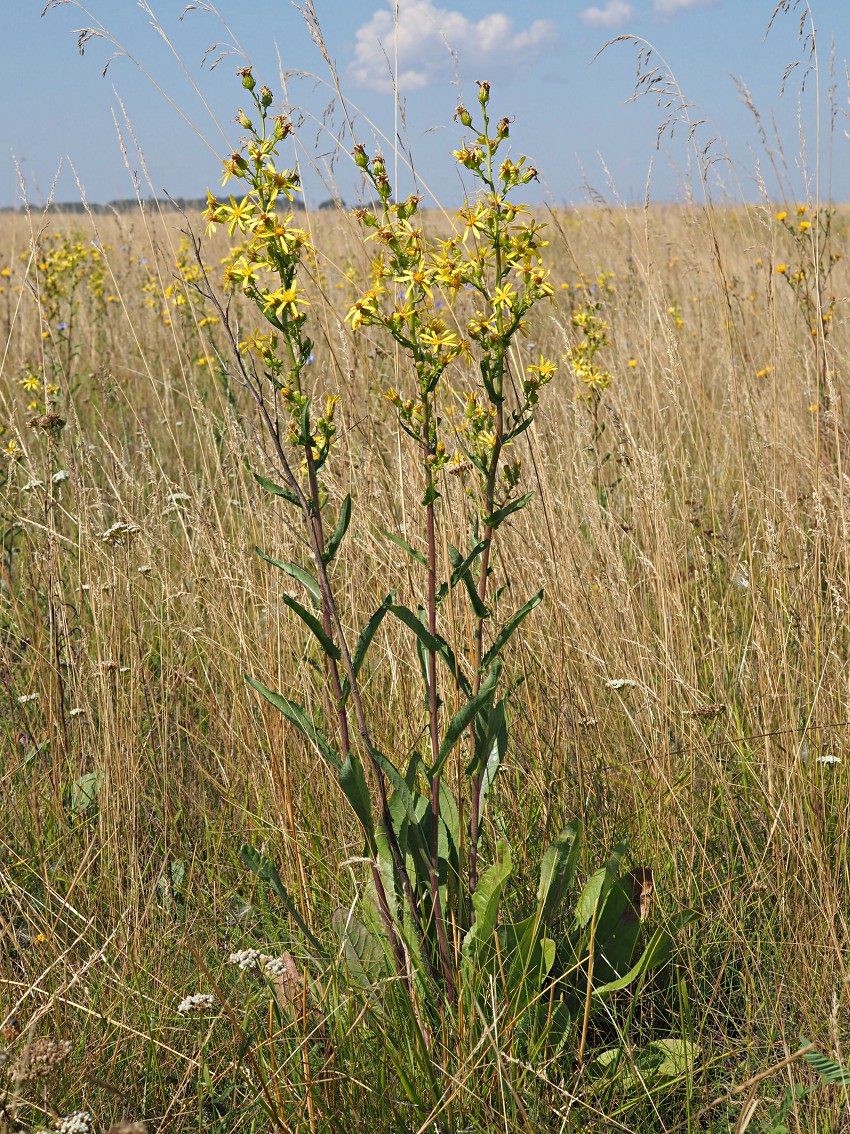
<point>572,115</point>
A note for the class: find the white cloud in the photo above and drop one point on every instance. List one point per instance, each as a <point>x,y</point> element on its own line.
<point>427,35</point>
<point>612,16</point>
<point>674,7</point>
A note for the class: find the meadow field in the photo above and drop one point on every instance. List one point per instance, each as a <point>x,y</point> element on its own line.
<point>187,911</point>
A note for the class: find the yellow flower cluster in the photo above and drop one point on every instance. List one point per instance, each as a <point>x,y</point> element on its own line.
<point>593,379</point>
<point>265,265</point>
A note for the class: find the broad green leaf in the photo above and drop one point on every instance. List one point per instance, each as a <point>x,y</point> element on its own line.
<point>365,640</point>
<point>464,564</point>
<point>501,514</point>
<point>412,552</point>
<point>597,886</point>
<point>265,869</point>
<point>295,572</point>
<point>297,716</point>
<point>508,629</point>
<point>493,753</point>
<point>656,951</point>
<point>343,520</point>
<point>365,954</point>
<point>449,814</point>
<point>463,717</point>
<point>485,900</point>
<point>557,870</point>
<point>84,791</point>
<point>353,784</point>
<point>277,489</point>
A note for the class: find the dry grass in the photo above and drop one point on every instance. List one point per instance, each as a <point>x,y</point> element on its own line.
<point>685,683</point>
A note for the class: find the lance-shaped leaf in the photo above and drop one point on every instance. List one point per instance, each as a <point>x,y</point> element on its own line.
<point>365,640</point>
<point>399,784</point>
<point>490,751</point>
<point>464,717</point>
<point>277,489</point>
<point>295,572</point>
<point>508,629</point>
<point>411,551</point>
<point>312,622</point>
<point>485,900</point>
<point>557,871</point>
<point>501,514</point>
<point>297,716</point>
<point>343,520</point>
<point>432,643</point>
<point>265,869</point>
<point>353,784</point>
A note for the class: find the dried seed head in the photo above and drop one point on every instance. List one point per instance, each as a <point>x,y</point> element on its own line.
<point>48,422</point>
<point>39,1058</point>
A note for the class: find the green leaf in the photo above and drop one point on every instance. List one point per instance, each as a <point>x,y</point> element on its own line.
<point>501,514</point>
<point>277,489</point>
<point>365,955</point>
<point>829,1070</point>
<point>485,900</point>
<point>84,791</point>
<point>464,564</point>
<point>297,716</point>
<point>398,782</point>
<point>343,520</point>
<point>365,641</point>
<point>656,952</point>
<point>312,623</point>
<point>432,643</point>
<point>353,784</point>
<point>557,871</point>
<point>411,551</point>
<point>463,717</point>
<point>491,752</point>
<point>508,629</point>
<point>266,870</point>
<point>597,886</point>
<point>295,572</point>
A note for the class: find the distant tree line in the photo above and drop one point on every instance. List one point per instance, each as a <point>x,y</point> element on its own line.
<point>166,204</point>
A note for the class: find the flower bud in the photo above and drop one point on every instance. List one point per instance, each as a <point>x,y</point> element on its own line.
<point>266,97</point>
<point>503,128</point>
<point>361,159</point>
<point>248,81</point>
<point>243,120</point>
<point>463,116</point>
<point>378,166</point>
<point>529,174</point>
<point>483,92</point>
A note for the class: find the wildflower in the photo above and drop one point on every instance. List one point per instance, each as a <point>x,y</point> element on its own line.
<point>621,683</point>
<point>781,216</point>
<point>199,1002</point>
<point>805,226</point>
<point>79,1122</point>
<point>61,476</point>
<point>802,210</point>
<point>25,698</point>
<point>782,269</point>
<point>284,299</point>
<point>632,363</point>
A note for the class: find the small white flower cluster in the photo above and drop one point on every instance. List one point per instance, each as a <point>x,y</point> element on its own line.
<point>200,1002</point>
<point>80,1122</point>
<point>253,959</point>
<point>120,531</point>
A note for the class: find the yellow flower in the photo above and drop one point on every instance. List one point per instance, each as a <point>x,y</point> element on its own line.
<point>801,210</point>
<point>632,363</point>
<point>781,216</point>
<point>805,226</point>
<point>782,269</point>
<point>283,300</point>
